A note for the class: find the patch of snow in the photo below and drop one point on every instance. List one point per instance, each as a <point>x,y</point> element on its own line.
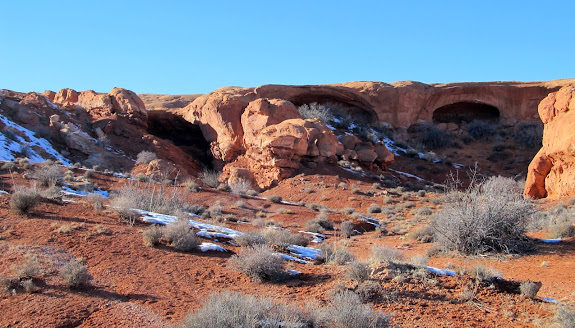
<point>69,191</point>
<point>371,221</point>
<point>458,166</point>
<point>336,120</point>
<point>291,258</point>
<point>549,241</point>
<point>351,126</point>
<point>8,147</point>
<point>549,300</point>
<point>3,192</point>
<point>317,237</point>
<point>210,247</point>
<point>51,103</point>
<point>305,252</point>
<point>331,127</point>
<point>408,175</point>
<point>223,232</point>
<point>440,272</point>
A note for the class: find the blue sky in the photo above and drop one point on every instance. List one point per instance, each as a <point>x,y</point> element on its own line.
<point>182,47</point>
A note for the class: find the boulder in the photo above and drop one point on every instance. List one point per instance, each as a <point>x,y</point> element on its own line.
<point>551,173</point>
<point>262,113</point>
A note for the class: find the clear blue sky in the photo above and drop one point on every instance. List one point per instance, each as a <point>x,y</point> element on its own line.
<point>177,47</point>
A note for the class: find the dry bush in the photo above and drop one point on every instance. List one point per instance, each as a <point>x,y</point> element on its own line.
<point>480,272</point>
<point>210,178</point>
<point>357,271</point>
<point>373,208</point>
<point>562,230</point>
<point>145,157</point>
<point>346,229</point>
<point>424,211</point>
<point>9,166</point>
<point>565,317</point>
<point>180,236</point>
<point>153,235</point>
<point>338,255</point>
<point>282,239</point>
<point>29,286</point>
<point>418,260</point>
<point>97,201</point>
<point>431,137</point>
<point>241,186</point>
<point>480,129</point>
<point>259,263</point>
<point>75,274</point>
<point>385,253</point>
<point>346,310</point>
<point>48,175</point>
<point>529,135</point>
<point>224,187</point>
<point>191,185</point>
<point>423,234</point>
<point>529,289</point>
<point>274,199</point>
<point>30,268</point>
<point>319,224</point>
<point>232,309</point>
<point>489,216</point>
<point>371,291</point>
<point>150,197</point>
<point>250,239</point>
<point>315,110</point>
<point>24,199</point>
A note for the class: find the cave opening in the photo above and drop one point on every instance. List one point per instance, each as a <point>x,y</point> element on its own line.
<point>185,135</point>
<point>465,112</point>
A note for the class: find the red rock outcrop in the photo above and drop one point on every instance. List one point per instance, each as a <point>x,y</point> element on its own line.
<point>551,174</point>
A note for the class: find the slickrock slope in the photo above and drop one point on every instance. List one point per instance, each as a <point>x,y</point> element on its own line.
<point>552,172</point>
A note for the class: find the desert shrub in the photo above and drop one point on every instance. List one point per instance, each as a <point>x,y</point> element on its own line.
<point>282,239</point>
<point>342,185</point>
<point>423,234</point>
<point>346,310</point>
<point>562,230</point>
<point>565,317</point>
<point>241,186</point>
<point>433,137</point>
<point>47,175</point>
<point>97,201</point>
<point>75,274</point>
<point>349,210</point>
<point>315,110</point>
<point>480,129</point>
<point>489,216</point>
<point>150,197</point>
<point>424,211</point>
<point>224,187</point>
<point>259,263</point>
<point>529,289</point>
<point>529,135</point>
<point>346,229</point>
<point>252,193</point>
<point>418,260</point>
<point>24,199</point>
<point>385,253</point>
<point>29,286</point>
<point>180,236</point>
<point>313,226</point>
<point>480,272</point>
<point>357,271</point>
<point>232,309</point>
<point>153,235</point>
<point>274,199</point>
<point>250,239</point>
<point>370,291</point>
<point>210,178</point>
<point>341,256</point>
<point>191,185</point>
<point>9,166</point>
<point>29,268</point>
<point>373,208</point>
<point>216,209</point>
<point>145,157</point>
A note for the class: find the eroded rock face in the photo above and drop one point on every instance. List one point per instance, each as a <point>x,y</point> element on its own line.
<point>552,172</point>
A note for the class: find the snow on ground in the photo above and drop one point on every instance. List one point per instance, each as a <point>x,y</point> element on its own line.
<point>9,147</point>
<point>317,237</point>
<point>292,258</point>
<point>440,272</point>
<point>549,300</point>
<point>549,241</point>
<point>371,221</point>
<point>305,252</point>
<point>69,191</point>
<point>408,175</point>
<point>210,247</point>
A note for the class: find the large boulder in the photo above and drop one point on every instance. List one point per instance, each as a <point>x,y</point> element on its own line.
<point>552,172</point>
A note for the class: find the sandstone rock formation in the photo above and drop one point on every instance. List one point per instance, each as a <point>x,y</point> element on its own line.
<point>552,172</point>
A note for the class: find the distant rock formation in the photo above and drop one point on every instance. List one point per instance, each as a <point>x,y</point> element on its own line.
<point>551,174</point>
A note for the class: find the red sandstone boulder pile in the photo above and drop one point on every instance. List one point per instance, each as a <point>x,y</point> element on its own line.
<point>552,172</point>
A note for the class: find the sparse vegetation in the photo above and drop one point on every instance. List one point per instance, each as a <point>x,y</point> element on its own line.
<point>250,239</point>
<point>210,178</point>
<point>489,216</point>
<point>274,199</point>
<point>529,135</point>
<point>348,311</point>
<point>478,129</point>
<point>565,317</point>
<point>385,253</point>
<point>282,239</point>
<point>529,289</point>
<point>346,229</point>
<point>24,199</point>
<point>241,186</point>
<point>75,274</point>
<point>315,110</point>
<point>30,268</point>
<point>191,185</point>
<point>145,157</point>
<point>97,201</point>
<point>357,271</point>
<point>259,263</point>
<point>180,236</point>
<point>152,236</point>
